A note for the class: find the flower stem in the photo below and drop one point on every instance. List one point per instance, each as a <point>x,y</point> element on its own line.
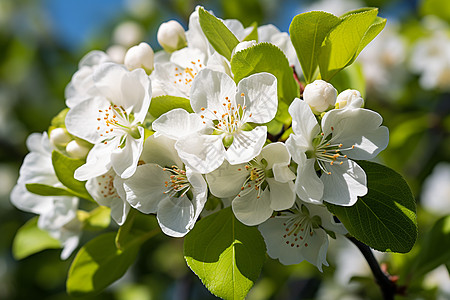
<point>387,286</point>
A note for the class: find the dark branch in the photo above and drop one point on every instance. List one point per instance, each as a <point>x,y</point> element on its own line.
<point>387,286</point>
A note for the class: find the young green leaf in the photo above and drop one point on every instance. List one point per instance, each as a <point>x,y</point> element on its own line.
<point>434,251</point>
<point>65,168</point>
<point>162,104</point>
<point>374,29</point>
<point>218,35</point>
<point>266,57</point>
<point>225,254</point>
<point>341,46</point>
<point>47,190</point>
<point>307,31</point>
<point>30,239</point>
<point>97,219</point>
<point>253,35</point>
<point>385,218</point>
<point>98,264</point>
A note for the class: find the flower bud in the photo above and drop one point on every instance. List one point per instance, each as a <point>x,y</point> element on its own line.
<point>128,33</point>
<point>59,137</point>
<point>242,46</point>
<point>140,56</point>
<point>320,95</point>
<point>77,151</point>
<point>349,98</point>
<point>171,36</point>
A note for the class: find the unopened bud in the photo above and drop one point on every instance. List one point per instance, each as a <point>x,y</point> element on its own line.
<point>59,137</point>
<point>77,151</point>
<point>242,46</point>
<point>349,98</point>
<point>171,36</point>
<point>140,56</point>
<point>320,95</point>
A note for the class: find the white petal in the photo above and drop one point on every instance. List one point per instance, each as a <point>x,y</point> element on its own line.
<point>81,121</point>
<point>178,123</point>
<point>211,96</point>
<point>164,75</point>
<point>316,252</point>
<point>251,210</point>
<point>328,221</point>
<point>275,153</point>
<point>136,92</point>
<point>273,231</point>
<point>304,123</point>
<point>124,161</point>
<point>246,145</point>
<point>69,246</point>
<point>161,150</point>
<point>175,215</point>
<point>184,57</point>
<point>260,94</point>
<point>202,153</point>
<point>26,201</point>
<point>98,162</point>
<point>227,180</point>
<point>145,189</point>
<point>345,184</point>
<point>200,193</point>
<point>108,81</point>
<point>308,185</point>
<point>282,195</point>
<point>359,127</point>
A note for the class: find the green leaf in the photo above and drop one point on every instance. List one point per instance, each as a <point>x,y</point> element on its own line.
<point>266,57</point>
<point>225,254</point>
<point>374,29</point>
<point>385,218</point>
<point>47,190</point>
<point>434,249</point>
<point>136,225</point>
<point>65,168</point>
<point>253,35</point>
<point>162,104</point>
<point>30,239</point>
<point>98,264</point>
<point>218,35</point>
<point>308,31</point>
<point>342,44</point>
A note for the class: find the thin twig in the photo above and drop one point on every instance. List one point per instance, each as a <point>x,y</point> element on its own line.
<point>387,286</point>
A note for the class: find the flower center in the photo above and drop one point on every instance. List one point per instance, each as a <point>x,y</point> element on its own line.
<point>115,121</point>
<point>256,179</point>
<point>298,227</point>
<point>328,153</point>
<point>178,185</point>
<point>106,186</point>
<point>229,118</point>
<point>183,77</point>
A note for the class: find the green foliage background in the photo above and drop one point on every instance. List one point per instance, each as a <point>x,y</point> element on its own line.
<point>34,70</point>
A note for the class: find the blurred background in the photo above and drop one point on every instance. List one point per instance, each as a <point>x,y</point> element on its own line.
<point>407,74</point>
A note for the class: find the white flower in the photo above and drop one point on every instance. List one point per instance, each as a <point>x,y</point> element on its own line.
<point>242,46</point>
<point>140,56</point>
<point>320,95</point>
<point>299,234</point>
<point>161,185</point>
<point>128,33</point>
<point>431,58</point>
<point>327,149</point>
<point>57,213</point>
<point>81,86</point>
<point>107,190</point>
<point>349,99</point>
<point>436,190</point>
<point>171,36</point>
<point>112,121</point>
<point>219,128</point>
<point>263,185</point>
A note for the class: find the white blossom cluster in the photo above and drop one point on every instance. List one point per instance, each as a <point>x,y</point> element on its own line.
<point>171,165</point>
